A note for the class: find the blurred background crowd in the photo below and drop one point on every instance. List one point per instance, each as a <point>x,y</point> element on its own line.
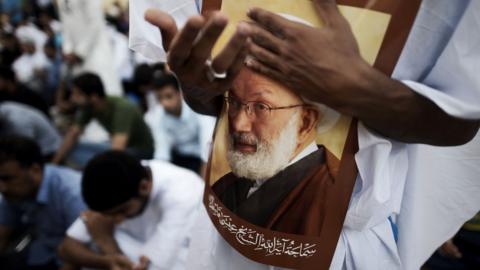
<point>68,64</point>
<point>70,89</point>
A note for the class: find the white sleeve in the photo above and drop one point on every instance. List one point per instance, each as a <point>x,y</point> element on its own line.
<point>167,248</point>
<point>433,190</point>
<point>453,83</point>
<point>145,38</point>
<point>94,21</point>
<point>67,41</point>
<point>441,194</point>
<point>78,231</point>
<point>443,183</point>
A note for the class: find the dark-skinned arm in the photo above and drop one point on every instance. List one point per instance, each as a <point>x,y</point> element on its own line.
<point>100,228</point>
<point>324,65</point>
<point>392,109</point>
<point>76,253</point>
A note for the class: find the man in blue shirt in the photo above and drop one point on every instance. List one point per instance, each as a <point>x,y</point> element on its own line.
<point>39,202</point>
<point>181,135</point>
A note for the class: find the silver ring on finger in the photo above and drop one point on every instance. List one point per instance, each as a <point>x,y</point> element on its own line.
<point>212,75</point>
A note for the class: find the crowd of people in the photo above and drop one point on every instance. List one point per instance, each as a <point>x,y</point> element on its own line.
<point>102,160</point>
<point>81,98</point>
<point>75,100</point>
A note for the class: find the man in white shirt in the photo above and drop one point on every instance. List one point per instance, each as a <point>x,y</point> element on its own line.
<point>86,43</point>
<point>181,135</point>
<point>145,211</point>
<point>437,70</point>
<point>30,68</point>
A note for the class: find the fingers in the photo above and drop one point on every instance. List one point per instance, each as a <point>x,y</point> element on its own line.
<point>88,214</point>
<point>84,217</point>
<point>264,69</point>
<point>208,36</point>
<point>263,56</point>
<point>124,262</point>
<point>449,249</point>
<point>236,66</point>
<point>273,23</point>
<point>143,264</point>
<point>264,38</point>
<point>183,43</point>
<point>226,58</point>
<point>328,11</point>
<point>165,23</point>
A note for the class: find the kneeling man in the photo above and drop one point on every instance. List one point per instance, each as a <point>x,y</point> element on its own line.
<point>143,214</point>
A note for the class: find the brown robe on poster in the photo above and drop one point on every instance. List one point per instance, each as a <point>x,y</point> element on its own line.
<point>293,201</point>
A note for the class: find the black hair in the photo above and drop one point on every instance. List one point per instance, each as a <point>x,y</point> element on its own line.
<point>165,80</point>
<point>89,84</point>
<point>111,179</point>
<point>160,66</point>
<point>143,75</point>
<point>51,43</point>
<point>7,73</point>
<point>4,124</point>
<point>20,149</point>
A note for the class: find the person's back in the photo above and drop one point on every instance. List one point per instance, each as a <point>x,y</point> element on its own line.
<point>23,120</point>
<point>122,116</point>
<point>121,119</point>
<point>11,90</point>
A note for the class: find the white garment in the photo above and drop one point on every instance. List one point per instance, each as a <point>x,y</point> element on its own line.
<point>85,34</point>
<point>144,37</point>
<point>26,66</point>
<point>190,134</point>
<point>441,62</point>
<point>30,33</point>
<point>123,61</point>
<point>161,231</point>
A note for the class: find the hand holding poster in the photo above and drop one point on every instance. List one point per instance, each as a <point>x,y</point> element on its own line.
<point>438,64</point>
<point>279,193</point>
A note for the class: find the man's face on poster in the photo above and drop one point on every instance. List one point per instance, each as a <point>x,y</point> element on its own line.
<point>268,125</point>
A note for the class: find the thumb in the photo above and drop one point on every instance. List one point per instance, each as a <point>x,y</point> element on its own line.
<point>166,24</point>
<point>327,10</point>
<point>143,264</point>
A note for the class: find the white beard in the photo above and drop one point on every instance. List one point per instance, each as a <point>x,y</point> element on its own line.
<point>270,158</point>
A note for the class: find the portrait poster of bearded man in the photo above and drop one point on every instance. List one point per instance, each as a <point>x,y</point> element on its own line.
<point>282,168</point>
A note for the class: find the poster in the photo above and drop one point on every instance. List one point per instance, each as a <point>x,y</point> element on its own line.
<point>277,197</point>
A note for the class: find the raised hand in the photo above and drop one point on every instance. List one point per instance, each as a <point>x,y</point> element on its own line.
<point>189,55</point>
<point>318,63</point>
